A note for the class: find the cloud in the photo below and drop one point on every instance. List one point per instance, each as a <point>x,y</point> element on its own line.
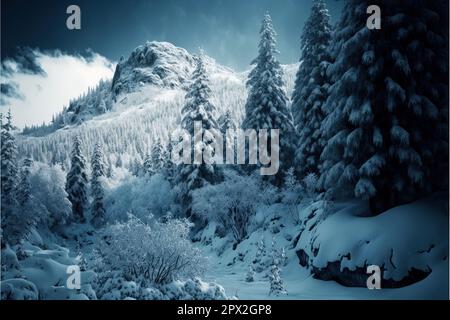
<point>24,62</point>
<point>9,90</point>
<point>37,84</point>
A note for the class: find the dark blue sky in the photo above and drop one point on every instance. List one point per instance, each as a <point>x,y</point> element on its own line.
<point>226,29</point>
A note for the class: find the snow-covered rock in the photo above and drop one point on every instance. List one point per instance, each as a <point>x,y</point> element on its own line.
<point>406,242</point>
<point>42,274</point>
<point>158,63</point>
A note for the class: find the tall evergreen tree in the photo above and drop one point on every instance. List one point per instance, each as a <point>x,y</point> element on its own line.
<point>77,181</point>
<point>136,167</point>
<point>8,162</point>
<point>157,160</point>
<point>198,108</point>
<point>98,172</point>
<point>24,186</point>
<point>310,89</point>
<point>169,168</point>
<point>16,221</point>
<point>147,165</point>
<point>109,168</point>
<point>388,104</point>
<point>267,102</point>
<point>225,123</point>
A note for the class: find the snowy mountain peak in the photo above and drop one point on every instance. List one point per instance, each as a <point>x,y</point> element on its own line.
<point>158,63</point>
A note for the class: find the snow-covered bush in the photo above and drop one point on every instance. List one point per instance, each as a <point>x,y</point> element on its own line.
<point>310,183</point>
<point>233,202</point>
<point>116,287</point>
<point>149,254</point>
<point>42,201</point>
<point>48,190</point>
<point>140,196</point>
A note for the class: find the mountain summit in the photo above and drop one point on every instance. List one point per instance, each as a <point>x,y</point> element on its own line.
<point>157,63</point>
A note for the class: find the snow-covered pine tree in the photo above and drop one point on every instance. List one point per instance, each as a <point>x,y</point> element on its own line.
<point>276,282</point>
<point>119,162</point>
<point>136,167</point>
<point>8,163</point>
<point>267,102</point>
<point>77,181</point>
<point>19,219</point>
<point>250,277</point>
<point>24,186</point>
<point>198,108</point>
<point>225,123</point>
<point>388,104</point>
<point>147,165</point>
<point>98,172</point>
<point>169,168</point>
<point>15,222</point>
<point>109,168</point>
<point>290,180</point>
<point>310,91</point>
<point>260,254</point>
<point>157,160</point>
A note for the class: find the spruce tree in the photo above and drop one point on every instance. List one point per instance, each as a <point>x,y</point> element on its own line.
<point>147,165</point>
<point>260,254</point>
<point>198,108</point>
<point>77,181</point>
<point>225,123</point>
<point>169,168</point>
<point>310,91</point>
<point>98,172</point>
<point>24,186</point>
<point>388,104</point>
<point>250,276</point>
<point>157,160</point>
<point>267,102</point>
<point>8,162</point>
<point>276,282</point>
<point>109,168</point>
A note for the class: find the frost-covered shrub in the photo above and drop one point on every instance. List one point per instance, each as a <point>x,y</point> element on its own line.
<point>118,288</point>
<point>150,254</point>
<point>193,289</point>
<point>233,202</point>
<point>310,183</point>
<point>140,196</point>
<point>48,191</point>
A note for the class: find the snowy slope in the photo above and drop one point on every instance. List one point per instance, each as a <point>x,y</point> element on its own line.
<point>147,97</point>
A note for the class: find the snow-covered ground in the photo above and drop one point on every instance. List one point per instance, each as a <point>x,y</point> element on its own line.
<point>300,285</point>
<point>422,244</point>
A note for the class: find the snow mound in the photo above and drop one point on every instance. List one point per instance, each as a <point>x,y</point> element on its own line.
<point>118,288</point>
<point>340,246</point>
<point>41,274</point>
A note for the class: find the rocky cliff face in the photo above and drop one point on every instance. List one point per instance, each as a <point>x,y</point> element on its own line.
<point>158,63</point>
